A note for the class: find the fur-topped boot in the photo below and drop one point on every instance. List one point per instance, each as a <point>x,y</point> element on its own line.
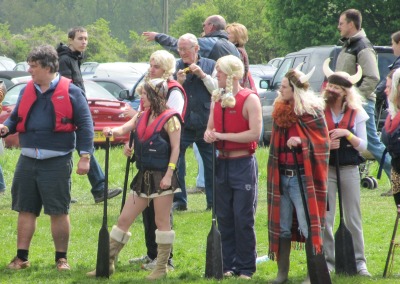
<point>164,240</point>
<point>118,239</point>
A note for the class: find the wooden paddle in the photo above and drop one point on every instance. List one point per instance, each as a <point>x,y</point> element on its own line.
<point>390,255</point>
<point>129,160</point>
<point>214,268</point>
<point>103,248</point>
<point>316,263</point>
<point>345,259</point>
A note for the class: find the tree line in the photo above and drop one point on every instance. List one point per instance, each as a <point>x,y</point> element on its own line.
<point>276,27</point>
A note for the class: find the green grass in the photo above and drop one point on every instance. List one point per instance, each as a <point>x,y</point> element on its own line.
<point>191,228</point>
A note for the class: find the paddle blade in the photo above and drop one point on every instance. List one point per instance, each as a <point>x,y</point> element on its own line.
<point>317,267</point>
<point>345,259</point>
<point>103,253</point>
<point>214,267</point>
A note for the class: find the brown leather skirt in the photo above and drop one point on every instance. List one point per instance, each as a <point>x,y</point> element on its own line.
<point>147,184</point>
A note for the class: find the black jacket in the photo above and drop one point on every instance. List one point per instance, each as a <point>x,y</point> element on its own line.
<point>70,63</point>
<point>380,89</point>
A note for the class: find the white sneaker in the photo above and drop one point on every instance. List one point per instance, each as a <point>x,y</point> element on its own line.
<point>364,272</point>
<point>143,259</point>
<point>151,265</point>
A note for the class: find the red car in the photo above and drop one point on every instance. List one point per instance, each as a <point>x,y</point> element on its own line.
<point>106,110</point>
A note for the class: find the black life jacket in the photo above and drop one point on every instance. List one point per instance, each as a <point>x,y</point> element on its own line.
<point>152,147</point>
<point>347,154</point>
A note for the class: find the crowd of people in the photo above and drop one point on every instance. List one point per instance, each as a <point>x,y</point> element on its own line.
<point>207,98</point>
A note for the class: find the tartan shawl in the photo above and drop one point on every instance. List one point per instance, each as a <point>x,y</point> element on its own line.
<point>314,136</point>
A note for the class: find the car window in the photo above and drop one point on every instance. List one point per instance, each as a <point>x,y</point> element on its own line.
<point>95,91</point>
<point>113,88</point>
<point>280,73</point>
<point>299,60</point>
<point>7,82</point>
<point>12,95</point>
<point>384,60</point>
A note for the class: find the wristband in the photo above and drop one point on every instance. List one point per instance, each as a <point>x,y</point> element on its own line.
<point>350,136</point>
<point>172,166</point>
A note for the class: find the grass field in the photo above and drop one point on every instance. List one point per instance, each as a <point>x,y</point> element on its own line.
<point>191,228</point>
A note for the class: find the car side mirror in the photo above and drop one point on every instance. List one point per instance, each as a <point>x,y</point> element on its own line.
<point>265,84</point>
<point>123,95</point>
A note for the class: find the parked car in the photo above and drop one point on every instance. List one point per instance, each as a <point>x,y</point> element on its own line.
<point>311,56</point>
<point>88,69</point>
<point>21,66</point>
<point>6,63</point>
<point>117,86</point>
<point>276,62</point>
<point>105,109</point>
<point>10,78</point>
<point>121,69</point>
<point>261,72</point>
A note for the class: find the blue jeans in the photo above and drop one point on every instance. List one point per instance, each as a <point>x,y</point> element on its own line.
<point>375,146</point>
<point>96,176</point>
<point>189,137</point>
<point>200,174</point>
<point>2,182</point>
<point>291,198</point>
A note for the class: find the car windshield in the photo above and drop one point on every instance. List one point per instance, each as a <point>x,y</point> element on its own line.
<point>93,91</point>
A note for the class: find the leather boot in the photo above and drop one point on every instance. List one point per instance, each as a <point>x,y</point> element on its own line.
<point>164,240</point>
<point>118,239</point>
<point>283,261</point>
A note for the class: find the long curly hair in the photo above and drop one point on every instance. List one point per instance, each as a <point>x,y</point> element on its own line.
<point>166,61</point>
<point>305,101</point>
<point>156,97</point>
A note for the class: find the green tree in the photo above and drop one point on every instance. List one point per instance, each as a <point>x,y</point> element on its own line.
<point>242,11</point>
<point>298,24</point>
<point>103,47</point>
<point>140,50</point>
<point>18,46</point>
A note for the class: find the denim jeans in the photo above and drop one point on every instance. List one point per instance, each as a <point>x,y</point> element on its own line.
<point>2,182</point>
<point>96,176</point>
<point>291,197</point>
<point>189,137</point>
<point>200,173</point>
<point>375,146</point>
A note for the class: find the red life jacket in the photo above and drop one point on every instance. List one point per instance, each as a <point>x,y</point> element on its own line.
<point>144,131</point>
<point>346,152</point>
<point>61,104</point>
<point>152,148</point>
<point>172,84</point>
<point>231,120</point>
<point>347,121</point>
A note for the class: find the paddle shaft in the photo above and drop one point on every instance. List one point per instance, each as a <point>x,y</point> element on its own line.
<point>103,249</point>
<point>345,259</point>
<point>392,241</point>
<point>214,267</point>
<point>316,263</point>
<point>128,164</point>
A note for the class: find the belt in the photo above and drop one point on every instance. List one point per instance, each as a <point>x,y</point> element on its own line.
<point>290,172</point>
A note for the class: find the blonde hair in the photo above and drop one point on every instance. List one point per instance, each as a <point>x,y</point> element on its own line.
<point>393,98</point>
<point>166,61</point>
<point>233,67</point>
<point>353,99</point>
<point>139,89</point>
<point>305,100</point>
<point>240,33</point>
